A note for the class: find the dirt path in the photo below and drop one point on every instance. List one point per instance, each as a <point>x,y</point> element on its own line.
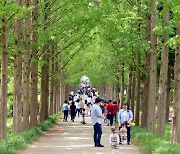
<point>74,138</point>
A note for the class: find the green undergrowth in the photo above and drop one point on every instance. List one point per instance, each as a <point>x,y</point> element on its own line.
<point>13,143</point>
<point>150,143</point>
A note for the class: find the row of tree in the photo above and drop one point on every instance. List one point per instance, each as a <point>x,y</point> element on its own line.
<point>128,45</point>
<point>38,39</point>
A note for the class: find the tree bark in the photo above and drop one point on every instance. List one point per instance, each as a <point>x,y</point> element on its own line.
<point>146,92</point>
<point>122,85</point>
<point>168,94</point>
<point>175,136</point>
<point>138,90</point>
<point>153,72</point>
<point>133,92</point>
<point>129,86</point>
<point>4,82</point>
<point>34,68</point>
<point>44,87</point>
<point>147,69</point>
<point>51,89</point>
<point>26,76</point>
<point>17,106</point>
<point>161,112</point>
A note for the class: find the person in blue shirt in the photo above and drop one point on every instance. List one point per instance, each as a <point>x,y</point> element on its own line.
<point>65,110</point>
<point>125,116</point>
<point>97,120</point>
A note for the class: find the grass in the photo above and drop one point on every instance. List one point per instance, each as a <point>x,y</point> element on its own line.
<point>150,143</point>
<point>13,143</point>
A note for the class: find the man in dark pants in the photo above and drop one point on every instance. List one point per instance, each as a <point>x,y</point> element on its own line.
<point>125,116</point>
<point>97,120</point>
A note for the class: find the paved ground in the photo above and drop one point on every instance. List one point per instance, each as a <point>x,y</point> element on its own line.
<point>74,138</point>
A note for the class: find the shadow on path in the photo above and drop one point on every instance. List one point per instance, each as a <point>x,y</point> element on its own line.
<point>74,138</point>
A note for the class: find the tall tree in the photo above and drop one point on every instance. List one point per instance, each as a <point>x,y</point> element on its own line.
<point>138,77</point>
<point>122,85</point>
<point>34,67</point>
<point>129,86</point>
<point>153,71</point>
<point>175,136</point>
<point>161,112</point>
<point>147,69</point>
<point>4,77</point>
<point>26,76</point>
<point>17,106</point>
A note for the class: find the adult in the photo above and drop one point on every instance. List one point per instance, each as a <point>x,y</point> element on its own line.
<point>125,116</point>
<point>97,120</point>
<point>115,110</point>
<point>110,114</point>
<point>73,111</point>
<point>65,110</point>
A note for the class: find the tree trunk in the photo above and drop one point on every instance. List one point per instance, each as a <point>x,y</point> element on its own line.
<point>44,87</point>
<point>34,68</point>
<point>161,110</point>
<point>26,76</point>
<point>4,82</point>
<point>51,89</point>
<point>122,84</point>
<point>138,90</point>
<point>129,86</point>
<point>175,136</point>
<point>168,94</point>
<point>133,92</point>
<point>153,72</point>
<point>17,106</point>
<point>146,92</point>
<point>147,69</point>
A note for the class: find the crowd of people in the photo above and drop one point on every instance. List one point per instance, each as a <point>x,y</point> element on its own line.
<point>86,102</point>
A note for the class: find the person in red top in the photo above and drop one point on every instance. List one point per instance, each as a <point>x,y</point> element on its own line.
<point>110,114</point>
<point>115,110</point>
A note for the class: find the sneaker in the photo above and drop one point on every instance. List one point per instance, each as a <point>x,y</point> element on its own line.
<point>100,145</point>
<point>128,143</point>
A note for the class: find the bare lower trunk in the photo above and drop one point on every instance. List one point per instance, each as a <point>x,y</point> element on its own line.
<point>129,86</point>
<point>153,72</point>
<point>51,89</point>
<point>17,106</point>
<point>133,92</point>
<point>138,90</point>
<point>26,75</point>
<point>161,112</point>
<point>122,85</point>
<point>4,82</point>
<point>146,92</point>
<point>44,88</point>
<point>168,95</point>
<point>34,69</point>
<point>175,136</point>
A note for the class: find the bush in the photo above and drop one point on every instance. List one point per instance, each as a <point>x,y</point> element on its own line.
<point>20,141</point>
<point>151,143</point>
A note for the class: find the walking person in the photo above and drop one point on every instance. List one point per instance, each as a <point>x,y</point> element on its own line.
<point>125,116</point>
<point>110,114</point>
<point>65,110</point>
<point>97,120</point>
<point>115,111</point>
<point>73,111</point>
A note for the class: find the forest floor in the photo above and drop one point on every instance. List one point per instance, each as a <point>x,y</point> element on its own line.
<point>73,137</point>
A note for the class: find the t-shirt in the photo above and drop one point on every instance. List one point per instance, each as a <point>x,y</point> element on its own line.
<point>114,139</point>
<point>109,108</point>
<point>115,108</point>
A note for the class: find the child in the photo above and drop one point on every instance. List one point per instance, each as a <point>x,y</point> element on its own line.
<point>123,134</point>
<point>83,116</point>
<point>114,141</point>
